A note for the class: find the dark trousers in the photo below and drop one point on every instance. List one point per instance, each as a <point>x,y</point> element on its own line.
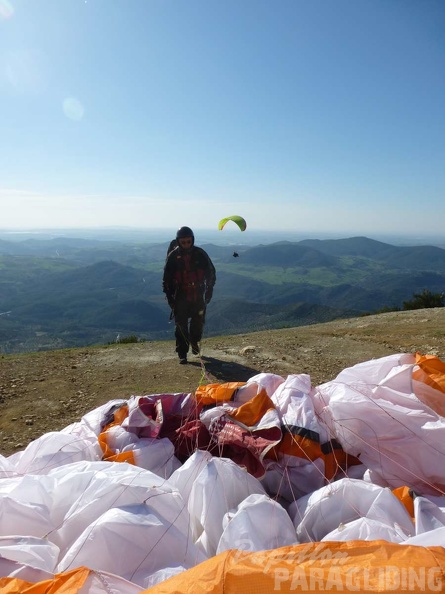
<point>189,324</point>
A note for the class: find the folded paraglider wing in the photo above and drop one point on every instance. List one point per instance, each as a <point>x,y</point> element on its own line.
<point>267,485</point>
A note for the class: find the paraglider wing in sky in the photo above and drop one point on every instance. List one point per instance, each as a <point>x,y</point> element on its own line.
<point>236,219</point>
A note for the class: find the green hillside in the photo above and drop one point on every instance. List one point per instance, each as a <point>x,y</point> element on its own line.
<point>68,292</point>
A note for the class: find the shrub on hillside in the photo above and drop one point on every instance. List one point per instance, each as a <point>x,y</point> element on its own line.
<point>126,339</point>
<point>425,299</point>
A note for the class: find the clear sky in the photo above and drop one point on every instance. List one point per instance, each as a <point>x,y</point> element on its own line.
<point>317,115</point>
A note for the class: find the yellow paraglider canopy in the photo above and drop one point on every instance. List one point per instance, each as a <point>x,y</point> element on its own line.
<point>236,219</point>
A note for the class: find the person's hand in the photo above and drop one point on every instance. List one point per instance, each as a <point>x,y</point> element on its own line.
<point>208,294</point>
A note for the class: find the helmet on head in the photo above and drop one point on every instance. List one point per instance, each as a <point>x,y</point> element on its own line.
<point>185,232</point>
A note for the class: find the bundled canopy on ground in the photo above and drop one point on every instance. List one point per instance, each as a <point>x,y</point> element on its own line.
<point>273,483</point>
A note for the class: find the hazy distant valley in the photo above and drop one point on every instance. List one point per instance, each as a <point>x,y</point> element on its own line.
<point>68,291</point>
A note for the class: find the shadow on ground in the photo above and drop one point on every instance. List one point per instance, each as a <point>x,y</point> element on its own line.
<point>227,371</point>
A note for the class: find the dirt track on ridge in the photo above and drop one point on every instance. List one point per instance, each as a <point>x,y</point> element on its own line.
<point>46,391</point>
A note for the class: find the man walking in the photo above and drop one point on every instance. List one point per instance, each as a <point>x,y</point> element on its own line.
<point>189,277</point>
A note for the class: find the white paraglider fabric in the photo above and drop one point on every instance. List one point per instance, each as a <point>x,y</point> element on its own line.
<point>344,501</point>
<point>372,411</point>
<point>258,522</point>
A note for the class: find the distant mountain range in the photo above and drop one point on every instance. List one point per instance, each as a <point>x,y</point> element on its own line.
<point>57,293</point>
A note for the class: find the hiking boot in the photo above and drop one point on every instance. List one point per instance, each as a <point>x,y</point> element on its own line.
<point>195,348</point>
<point>182,360</point>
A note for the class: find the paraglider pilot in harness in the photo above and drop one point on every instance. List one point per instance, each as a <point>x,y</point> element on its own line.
<point>189,277</point>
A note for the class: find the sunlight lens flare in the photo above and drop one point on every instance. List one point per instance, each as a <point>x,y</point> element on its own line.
<point>73,109</point>
<point>6,9</point>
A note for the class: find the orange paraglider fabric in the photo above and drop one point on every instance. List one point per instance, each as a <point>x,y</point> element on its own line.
<point>358,566</point>
<point>217,393</point>
<point>109,453</point>
<point>405,495</point>
<point>63,583</point>
<point>431,371</point>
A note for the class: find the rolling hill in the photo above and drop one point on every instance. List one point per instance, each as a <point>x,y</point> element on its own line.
<point>68,292</point>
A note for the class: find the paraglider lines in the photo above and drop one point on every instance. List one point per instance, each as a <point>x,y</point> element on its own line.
<point>382,455</point>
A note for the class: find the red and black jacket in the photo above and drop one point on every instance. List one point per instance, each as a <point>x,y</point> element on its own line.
<point>188,274</point>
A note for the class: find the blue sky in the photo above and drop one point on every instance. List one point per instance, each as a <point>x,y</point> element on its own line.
<point>303,115</point>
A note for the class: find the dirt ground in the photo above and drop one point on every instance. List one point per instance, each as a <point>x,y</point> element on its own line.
<point>46,391</point>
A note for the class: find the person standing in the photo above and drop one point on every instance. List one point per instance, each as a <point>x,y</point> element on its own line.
<point>188,281</point>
